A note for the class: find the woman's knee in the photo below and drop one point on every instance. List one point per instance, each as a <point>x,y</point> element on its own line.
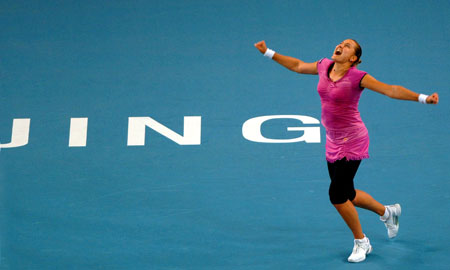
<point>337,194</point>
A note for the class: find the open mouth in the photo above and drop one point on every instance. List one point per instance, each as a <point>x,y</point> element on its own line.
<point>338,52</point>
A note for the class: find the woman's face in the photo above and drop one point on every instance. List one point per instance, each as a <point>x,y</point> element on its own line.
<point>345,52</point>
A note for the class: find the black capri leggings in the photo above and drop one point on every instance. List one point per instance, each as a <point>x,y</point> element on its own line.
<point>342,173</point>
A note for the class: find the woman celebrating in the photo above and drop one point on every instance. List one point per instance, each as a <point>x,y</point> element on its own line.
<point>347,140</point>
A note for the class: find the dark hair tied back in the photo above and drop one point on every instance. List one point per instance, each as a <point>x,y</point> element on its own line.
<point>358,53</point>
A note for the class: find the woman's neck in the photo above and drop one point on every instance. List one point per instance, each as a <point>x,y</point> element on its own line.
<point>340,69</point>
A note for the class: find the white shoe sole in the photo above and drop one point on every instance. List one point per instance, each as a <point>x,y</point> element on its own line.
<point>362,259</point>
<point>398,210</point>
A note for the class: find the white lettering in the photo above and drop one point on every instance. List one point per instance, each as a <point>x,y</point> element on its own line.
<point>20,133</point>
<point>78,132</point>
<point>251,129</point>
<point>191,134</point>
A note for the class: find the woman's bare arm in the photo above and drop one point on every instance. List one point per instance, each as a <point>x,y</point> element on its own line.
<point>395,91</point>
<point>288,62</point>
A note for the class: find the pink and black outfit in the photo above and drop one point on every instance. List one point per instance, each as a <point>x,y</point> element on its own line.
<point>347,138</point>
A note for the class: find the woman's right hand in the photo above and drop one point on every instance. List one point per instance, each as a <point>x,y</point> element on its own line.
<point>261,46</point>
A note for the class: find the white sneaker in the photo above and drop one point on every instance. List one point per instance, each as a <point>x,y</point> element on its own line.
<point>392,224</point>
<point>361,248</point>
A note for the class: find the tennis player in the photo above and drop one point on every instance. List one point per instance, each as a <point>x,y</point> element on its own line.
<point>347,140</point>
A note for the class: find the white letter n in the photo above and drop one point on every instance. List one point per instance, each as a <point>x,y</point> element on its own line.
<point>191,133</point>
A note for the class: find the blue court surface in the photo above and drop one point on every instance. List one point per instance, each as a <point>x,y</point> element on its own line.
<point>153,135</point>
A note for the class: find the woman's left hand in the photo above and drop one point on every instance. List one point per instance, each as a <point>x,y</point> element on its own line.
<point>433,99</point>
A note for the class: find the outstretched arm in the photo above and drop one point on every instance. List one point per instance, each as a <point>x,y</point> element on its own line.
<point>288,62</point>
<point>395,91</point>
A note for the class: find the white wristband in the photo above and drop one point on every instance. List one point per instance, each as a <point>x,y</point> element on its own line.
<point>423,98</point>
<point>269,53</point>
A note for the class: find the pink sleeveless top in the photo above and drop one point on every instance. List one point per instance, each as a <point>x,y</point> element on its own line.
<point>347,136</point>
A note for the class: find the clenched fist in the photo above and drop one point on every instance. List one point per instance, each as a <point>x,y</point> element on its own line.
<point>261,46</point>
<point>433,99</point>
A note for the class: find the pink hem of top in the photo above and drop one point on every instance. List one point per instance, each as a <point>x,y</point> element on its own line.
<point>347,157</point>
